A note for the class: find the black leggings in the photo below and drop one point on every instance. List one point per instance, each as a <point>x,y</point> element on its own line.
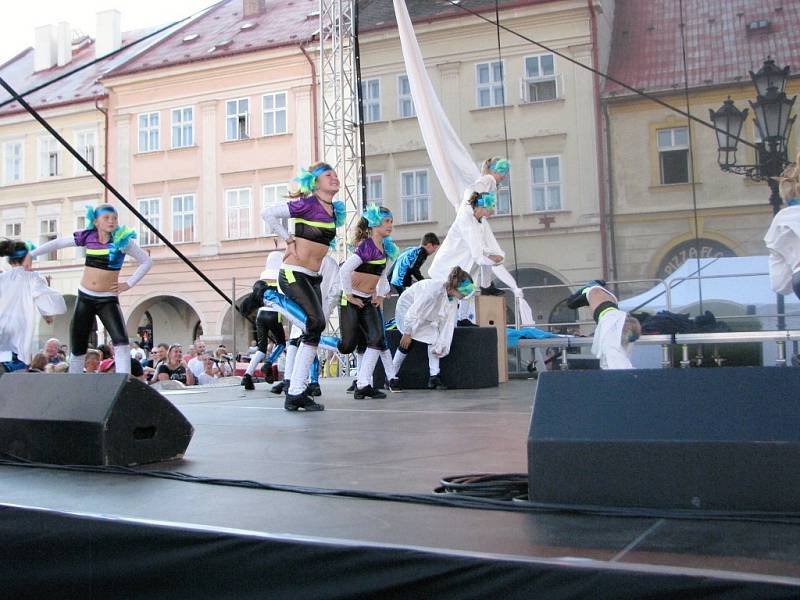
<point>87,308</point>
<point>268,322</point>
<point>305,291</point>
<point>361,324</point>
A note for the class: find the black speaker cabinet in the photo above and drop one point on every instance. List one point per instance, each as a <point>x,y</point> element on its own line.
<point>715,439</point>
<point>91,419</point>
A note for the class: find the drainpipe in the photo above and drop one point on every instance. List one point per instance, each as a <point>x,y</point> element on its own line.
<point>611,229</point>
<point>601,158</point>
<point>313,100</point>
<point>105,146</point>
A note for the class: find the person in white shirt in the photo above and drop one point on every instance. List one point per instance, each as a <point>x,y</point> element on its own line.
<point>783,237</point>
<point>197,364</point>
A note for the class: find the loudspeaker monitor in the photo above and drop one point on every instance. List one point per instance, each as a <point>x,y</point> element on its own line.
<point>91,419</point>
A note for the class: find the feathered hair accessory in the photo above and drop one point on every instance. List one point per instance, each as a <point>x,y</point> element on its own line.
<point>487,200</point>
<point>23,252</point>
<point>307,180</point>
<point>466,288</point>
<point>500,166</point>
<point>121,236</point>
<point>92,213</point>
<point>339,213</point>
<point>375,214</point>
<point>390,249</point>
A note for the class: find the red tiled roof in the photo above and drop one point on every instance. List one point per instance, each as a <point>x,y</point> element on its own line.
<point>285,22</point>
<point>646,51</point>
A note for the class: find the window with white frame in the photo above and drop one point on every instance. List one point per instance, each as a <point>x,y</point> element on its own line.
<point>85,144</point>
<point>12,162</point>
<point>270,196</point>
<point>503,198</point>
<point>13,229</point>
<point>375,188</point>
<point>80,225</point>
<point>489,84</point>
<point>151,210</point>
<point>48,231</point>
<point>371,99</point>
<point>540,82</point>
<point>237,119</point>
<point>546,183</point>
<point>414,196</point>
<point>237,213</point>
<point>405,103</point>
<point>149,138</point>
<point>183,218</point>
<point>273,107</point>
<point>673,155</point>
<point>182,127</point>
<point>49,157</point>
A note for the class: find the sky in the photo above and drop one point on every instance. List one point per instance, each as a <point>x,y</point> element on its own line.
<point>16,27</point>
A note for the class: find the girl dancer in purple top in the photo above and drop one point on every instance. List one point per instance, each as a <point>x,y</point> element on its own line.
<point>107,244</point>
<point>364,285</point>
<point>315,217</point>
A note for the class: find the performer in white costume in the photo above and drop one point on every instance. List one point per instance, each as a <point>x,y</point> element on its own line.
<point>426,312</point>
<point>783,236</point>
<point>22,293</point>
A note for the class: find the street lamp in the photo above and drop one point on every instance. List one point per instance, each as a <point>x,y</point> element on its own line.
<point>773,119</point>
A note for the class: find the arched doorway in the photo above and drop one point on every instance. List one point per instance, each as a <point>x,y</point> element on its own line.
<point>168,319</point>
<point>245,329</point>
<point>548,303</point>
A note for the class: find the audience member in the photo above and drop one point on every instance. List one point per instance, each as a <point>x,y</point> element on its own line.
<point>196,365</point>
<point>210,372</point>
<point>173,368</point>
<point>51,349</point>
<point>92,363</point>
<point>137,352</point>
<point>38,363</point>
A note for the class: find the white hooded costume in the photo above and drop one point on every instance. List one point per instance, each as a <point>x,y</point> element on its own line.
<point>607,343</point>
<point>22,293</point>
<point>425,312</point>
<point>783,241</point>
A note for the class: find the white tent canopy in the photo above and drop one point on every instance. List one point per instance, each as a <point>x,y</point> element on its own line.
<point>746,282</point>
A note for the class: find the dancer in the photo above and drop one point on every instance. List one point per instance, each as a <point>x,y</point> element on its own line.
<point>362,297</point>
<point>22,292</point>
<point>315,217</point>
<point>616,330</point>
<point>426,312</point>
<point>107,244</point>
<point>410,261</point>
<point>268,322</point>
<point>783,236</point>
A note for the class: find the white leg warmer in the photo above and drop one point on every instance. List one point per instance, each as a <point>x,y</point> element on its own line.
<point>371,357</point>
<point>433,363</point>
<point>302,363</point>
<point>388,365</point>
<point>291,354</point>
<point>76,363</point>
<point>397,361</point>
<point>122,359</point>
<point>257,357</point>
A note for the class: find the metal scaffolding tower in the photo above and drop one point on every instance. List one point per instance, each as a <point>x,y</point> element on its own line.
<point>339,85</point>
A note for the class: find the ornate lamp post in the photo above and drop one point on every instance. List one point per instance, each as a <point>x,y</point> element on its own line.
<point>773,119</point>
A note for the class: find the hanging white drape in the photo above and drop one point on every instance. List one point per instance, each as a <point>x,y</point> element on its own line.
<point>452,163</point>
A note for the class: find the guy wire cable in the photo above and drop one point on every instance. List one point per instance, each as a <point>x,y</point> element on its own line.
<point>691,155</point>
<point>604,75</point>
<point>505,135</point>
<point>43,122</point>
<point>107,56</point>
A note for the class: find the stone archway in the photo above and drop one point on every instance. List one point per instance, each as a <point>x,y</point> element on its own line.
<point>173,320</point>
<point>547,303</point>
<point>245,330</point>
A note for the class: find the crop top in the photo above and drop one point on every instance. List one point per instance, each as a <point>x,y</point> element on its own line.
<point>373,259</point>
<point>310,220</point>
<point>99,255</point>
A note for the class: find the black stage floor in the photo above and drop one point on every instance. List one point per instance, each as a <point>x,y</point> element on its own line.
<point>104,535</point>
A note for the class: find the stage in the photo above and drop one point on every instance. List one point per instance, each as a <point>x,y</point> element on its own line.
<point>74,534</point>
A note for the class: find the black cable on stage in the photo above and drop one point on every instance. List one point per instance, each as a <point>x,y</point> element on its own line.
<point>43,122</point>
<point>107,56</point>
<point>457,3</point>
<point>458,492</point>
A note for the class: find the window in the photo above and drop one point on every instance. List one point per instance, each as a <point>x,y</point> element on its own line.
<point>151,210</point>
<point>13,230</point>
<point>503,199</point>
<point>414,197</point>
<point>48,231</point>
<point>274,113</point>
<point>149,132</point>
<point>540,82</point>
<point>12,159</point>
<point>371,99</point>
<point>80,225</point>
<point>182,127</point>
<point>405,103</point>
<point>375,189</point>
<point>183,218</point>
<point>272,195</point>
<point>546,183</point>
<point>673,155</point>
<point>237,213</point>
<point>49,157</point>
<point>490,88</point>
<point>237,119</point>
<point>85,144</point>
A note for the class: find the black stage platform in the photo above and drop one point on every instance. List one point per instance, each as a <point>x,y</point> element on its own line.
<point>83,535</point>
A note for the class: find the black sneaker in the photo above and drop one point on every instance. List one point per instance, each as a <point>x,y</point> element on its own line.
<point>280,387</point>
<point>368,391</point>
<point>352,387</point>
<point>435,383</point>
<point>247,382</point>
<point>393,385</point>
<point>492,291</point>
<point>301,401</point>
<point>266,371</point>
<point>313,389</point>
